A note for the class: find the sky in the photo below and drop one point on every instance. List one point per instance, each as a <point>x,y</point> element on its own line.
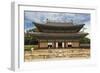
<point>41,17</point>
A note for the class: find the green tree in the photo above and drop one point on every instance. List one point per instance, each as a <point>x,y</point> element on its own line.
<point>85,40</point>
<point>29,39</point>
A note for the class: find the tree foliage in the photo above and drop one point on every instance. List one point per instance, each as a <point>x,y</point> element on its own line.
<point>85,40</point>
<point>29,39</point>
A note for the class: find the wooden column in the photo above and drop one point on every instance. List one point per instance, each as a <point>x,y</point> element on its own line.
<point>39,44</point>
<point>63,44</point>
<point>56,44</point>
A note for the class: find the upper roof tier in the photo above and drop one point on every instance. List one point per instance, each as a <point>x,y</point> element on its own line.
<point>58,27</point>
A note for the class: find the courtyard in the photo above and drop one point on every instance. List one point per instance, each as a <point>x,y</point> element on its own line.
<point>65,53</point>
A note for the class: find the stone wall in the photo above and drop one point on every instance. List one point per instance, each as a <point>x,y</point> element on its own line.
<point>75,44</point>
<point>43,44</point>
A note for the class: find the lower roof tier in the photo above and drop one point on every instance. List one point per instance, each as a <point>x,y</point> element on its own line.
<point>55,36</point>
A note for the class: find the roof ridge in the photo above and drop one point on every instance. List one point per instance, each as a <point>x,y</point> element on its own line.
<point>48,21</point>
<point>59,22</point>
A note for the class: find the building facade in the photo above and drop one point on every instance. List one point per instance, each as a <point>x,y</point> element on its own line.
<point>58,35</point>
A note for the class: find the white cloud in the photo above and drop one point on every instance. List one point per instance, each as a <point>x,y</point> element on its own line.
<point>61,17</point>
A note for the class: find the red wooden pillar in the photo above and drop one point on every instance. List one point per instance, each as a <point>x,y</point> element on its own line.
<point>64,44</point>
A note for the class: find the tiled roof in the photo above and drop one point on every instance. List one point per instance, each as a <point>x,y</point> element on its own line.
<point>58,27</point>
<point>66,36</point>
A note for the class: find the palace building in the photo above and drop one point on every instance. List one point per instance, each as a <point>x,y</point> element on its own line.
<point>58,34</point>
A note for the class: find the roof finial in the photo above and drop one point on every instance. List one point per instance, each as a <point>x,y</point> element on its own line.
<point>47,20</point>
<point>71,21</point>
